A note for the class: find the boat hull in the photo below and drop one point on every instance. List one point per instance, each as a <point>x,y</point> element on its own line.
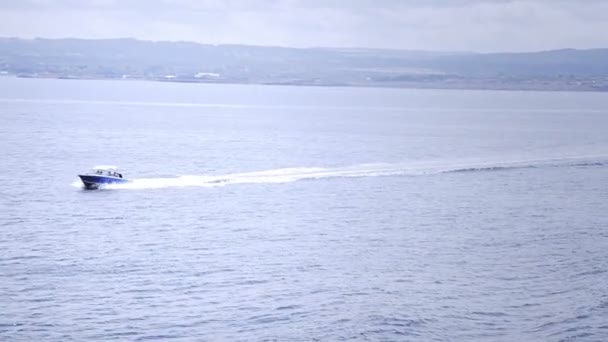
<point>92,182</point>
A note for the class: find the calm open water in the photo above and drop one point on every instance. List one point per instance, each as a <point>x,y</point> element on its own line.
<point>297,214</point>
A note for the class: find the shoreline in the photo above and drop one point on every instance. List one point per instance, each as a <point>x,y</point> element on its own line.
<point>464,85</point>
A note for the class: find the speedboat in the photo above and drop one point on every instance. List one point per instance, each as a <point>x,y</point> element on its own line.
<point>98,177</point>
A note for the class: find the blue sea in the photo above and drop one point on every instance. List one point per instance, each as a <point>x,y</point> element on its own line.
<point>278,213</point>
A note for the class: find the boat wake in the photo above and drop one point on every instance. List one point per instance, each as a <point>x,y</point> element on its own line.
<point>287,175</point>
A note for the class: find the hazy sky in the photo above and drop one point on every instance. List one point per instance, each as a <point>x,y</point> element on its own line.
<point>479,25</point>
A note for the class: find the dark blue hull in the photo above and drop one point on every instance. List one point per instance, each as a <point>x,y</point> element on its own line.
<point>92,182</point>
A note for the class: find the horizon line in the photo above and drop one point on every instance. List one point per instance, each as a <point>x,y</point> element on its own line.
<point>307,48</point>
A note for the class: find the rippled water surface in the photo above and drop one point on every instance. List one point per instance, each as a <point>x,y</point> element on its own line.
<point>295,213</point>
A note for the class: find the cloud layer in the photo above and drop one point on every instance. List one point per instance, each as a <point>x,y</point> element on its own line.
<point>489,25</point>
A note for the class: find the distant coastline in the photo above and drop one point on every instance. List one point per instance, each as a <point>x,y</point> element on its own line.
<point>479,85</point>
<point>183,62</point>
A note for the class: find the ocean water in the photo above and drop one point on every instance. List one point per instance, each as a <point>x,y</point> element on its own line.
<point>270,213</point>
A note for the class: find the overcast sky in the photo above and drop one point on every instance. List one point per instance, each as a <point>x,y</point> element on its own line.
<point>455,25</point>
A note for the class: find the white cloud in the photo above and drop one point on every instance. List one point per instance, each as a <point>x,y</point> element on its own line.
<point>505,25</point>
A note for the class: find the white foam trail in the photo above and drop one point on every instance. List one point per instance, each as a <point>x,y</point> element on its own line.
<point>286,175</point>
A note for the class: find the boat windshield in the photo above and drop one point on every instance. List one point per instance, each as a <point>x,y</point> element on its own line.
<point>107,173</point>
